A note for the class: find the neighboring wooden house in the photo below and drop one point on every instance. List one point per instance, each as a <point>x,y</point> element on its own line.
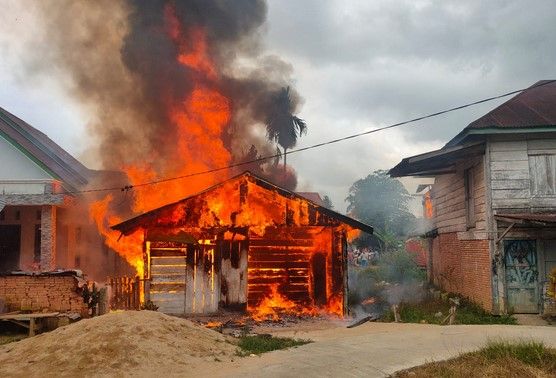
<point>239,242</point>
<point>493,234</point>
<point>38,230</point>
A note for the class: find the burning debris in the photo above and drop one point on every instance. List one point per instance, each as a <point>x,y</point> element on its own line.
<point>245,244</point>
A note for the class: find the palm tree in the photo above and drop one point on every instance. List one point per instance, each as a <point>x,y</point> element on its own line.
<point>282,126</point>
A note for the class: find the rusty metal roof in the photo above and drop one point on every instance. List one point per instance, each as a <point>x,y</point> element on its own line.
<point>533,107</point>
<point>530,217</point>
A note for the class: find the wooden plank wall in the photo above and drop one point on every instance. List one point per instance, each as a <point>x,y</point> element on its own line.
<point>512,164</point>
<point>448,196</point>
<point>184,279</point>
<point>285,258</point>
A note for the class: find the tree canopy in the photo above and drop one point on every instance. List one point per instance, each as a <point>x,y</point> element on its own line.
<point>282,126</point>
<point>382,202</point>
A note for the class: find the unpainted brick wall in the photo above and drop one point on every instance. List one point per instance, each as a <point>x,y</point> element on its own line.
<point>42,293</point>
<point>463,267</point>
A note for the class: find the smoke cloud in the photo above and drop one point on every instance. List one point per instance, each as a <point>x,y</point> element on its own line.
<point>174,86</point>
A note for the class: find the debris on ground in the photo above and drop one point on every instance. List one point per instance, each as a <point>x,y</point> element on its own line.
<point>124,343</point>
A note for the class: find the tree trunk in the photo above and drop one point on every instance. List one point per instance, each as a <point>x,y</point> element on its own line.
<point>285,155</point>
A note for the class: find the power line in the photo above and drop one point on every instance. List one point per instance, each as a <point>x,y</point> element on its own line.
<point>317,145</point>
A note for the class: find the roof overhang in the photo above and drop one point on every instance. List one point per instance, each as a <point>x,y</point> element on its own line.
<point>437,162</point>
<point>466,133</point>
<point>539,219</point>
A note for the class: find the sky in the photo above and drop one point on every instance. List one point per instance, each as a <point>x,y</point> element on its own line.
<point>358,65</point>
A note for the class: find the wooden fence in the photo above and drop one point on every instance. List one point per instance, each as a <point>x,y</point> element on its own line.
<point>124,293</point>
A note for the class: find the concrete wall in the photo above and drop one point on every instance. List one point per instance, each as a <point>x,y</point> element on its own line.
<point>18,166</point>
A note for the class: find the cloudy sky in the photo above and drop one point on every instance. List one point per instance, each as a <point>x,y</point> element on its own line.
<point>358,65</point>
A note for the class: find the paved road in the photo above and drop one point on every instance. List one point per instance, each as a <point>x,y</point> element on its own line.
<point>376,349</point>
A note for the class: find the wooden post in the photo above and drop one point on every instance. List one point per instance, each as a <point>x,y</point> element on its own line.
<point>32,326</point>
<point>396,311</point>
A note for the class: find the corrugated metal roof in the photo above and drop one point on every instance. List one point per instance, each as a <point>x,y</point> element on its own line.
<point>40,147</point>
<point>533,107</point>
<point>532,217</point>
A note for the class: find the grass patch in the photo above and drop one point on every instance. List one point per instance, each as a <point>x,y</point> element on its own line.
<point>428,311</point>
<point>258,344</point>
<point>496,359</point>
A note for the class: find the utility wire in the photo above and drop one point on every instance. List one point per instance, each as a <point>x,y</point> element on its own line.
<point>313,146</point>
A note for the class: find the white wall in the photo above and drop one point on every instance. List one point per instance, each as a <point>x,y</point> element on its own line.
<point>18,173</point>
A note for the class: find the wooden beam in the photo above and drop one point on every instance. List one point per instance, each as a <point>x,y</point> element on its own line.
<point>505,232</point>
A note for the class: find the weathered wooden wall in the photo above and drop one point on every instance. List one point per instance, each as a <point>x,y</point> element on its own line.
<point>513,164</point>
<point>183,278</point>
<point>304,261</point>
<point>448,196</point>
<point>233,277</point>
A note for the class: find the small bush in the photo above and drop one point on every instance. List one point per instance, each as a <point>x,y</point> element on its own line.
<point>428,309</point>
<point>149,306</point>
<point>398,267</point>
<point>258,344</point>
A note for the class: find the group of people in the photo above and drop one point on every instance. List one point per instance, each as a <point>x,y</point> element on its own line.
<point>361,257</point>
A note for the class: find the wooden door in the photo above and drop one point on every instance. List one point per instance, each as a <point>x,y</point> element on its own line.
<point>10,242</point>
<point>168,269</point>
<point>522,286</point>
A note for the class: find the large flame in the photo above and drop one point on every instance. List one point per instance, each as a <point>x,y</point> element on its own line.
<point>201,120</point>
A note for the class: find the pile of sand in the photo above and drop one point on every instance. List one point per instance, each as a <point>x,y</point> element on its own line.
<point>127,343</point>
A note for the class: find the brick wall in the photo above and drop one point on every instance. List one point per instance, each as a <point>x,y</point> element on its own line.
<point>463,267</point>
<point>42,293</point>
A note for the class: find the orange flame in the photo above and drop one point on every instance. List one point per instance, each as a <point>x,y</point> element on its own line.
<point>130,248</point>
<point>200,121</point>
<point>272,306</point>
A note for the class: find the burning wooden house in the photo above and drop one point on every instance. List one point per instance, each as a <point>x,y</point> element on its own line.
<point>245,244</point>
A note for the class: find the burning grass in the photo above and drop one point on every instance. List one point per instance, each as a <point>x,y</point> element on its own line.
<point>258,344</point>
<point>496,359</point>
<point>433,311</point>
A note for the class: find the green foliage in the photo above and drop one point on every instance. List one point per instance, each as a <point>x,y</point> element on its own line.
<point>91,296</point>
<point>258,344</point>
<point>327,202</point>
<point>395,267</point>
<point>382,202</point>
<point>398,267</point>
<point>282,126</point>
<point>427,310</point>
<point>529,352</point>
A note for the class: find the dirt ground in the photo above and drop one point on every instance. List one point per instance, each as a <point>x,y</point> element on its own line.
<point>372,349</point>
<point>150,344</point>
<point>131,343</point>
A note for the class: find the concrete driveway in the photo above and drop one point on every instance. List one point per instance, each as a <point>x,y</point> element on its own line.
<point>375,349</point>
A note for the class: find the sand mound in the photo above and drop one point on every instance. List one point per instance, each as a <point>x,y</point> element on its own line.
<point>127,343</point>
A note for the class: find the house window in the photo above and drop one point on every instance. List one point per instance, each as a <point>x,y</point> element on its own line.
<point>542,172</point>
<point>469,182</point>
